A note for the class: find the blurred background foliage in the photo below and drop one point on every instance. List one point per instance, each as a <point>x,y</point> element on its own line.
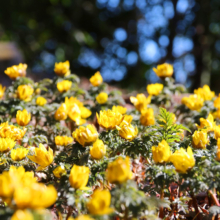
<point>123,39</point>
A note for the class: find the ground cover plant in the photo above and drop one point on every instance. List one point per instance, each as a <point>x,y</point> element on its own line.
<point>72,153</point>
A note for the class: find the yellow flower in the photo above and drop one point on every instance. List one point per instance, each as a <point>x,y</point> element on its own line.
<point>109,119</point>
<point>99,203</point>
<point>217,132</point>
<point>120,109</point>
<point>61,113</point>
<point>41,101</point>
<point>59,171</point>
<point>218,150</point>
<point>11,131</point>
<point>119,170</point>
<point>102,98</point>
<point>98,150</point>
<point>193,102</point>
<point>183,160</point>
<point>63,140</point>
<point>23,117</point>
<point>6,144</point>
<point>37,91</point>
<point>205,93</point>
<point>140,101</point>
<point>200,139</point>
<point>64,85</point>
<point>147,117</point>
<point>154,89</point>
<point>24,92</point>
<point>62,68</point>
<point>127,131</point>
<point>2,91</point>
<point>22,215</point>
<point>161,153</point>
<point>19,154</point>
<point>208,123</point>
<point>216,114</point>
<point>83,217</point>
<point>96,79</point>
<point>16,71</point>
<point>85,135</point>
<point>79,176</point>
<point>217,102</point>
<point>42,157</point>
<point>164,70</point>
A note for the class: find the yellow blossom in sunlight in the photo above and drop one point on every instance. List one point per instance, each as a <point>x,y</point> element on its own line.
<point>74,114</point>
<point>217,132</point>
<point>98,150</point>
<point>147,117</point>
<point>208,123</point>
<point>120,109</point>
<point>154,89</point>
<point>216,114</point>
<point>59,171</point>
<point>193,102</point>
<point>162,152</point>
<point>109,119</point>
<point>24,92</point>
<point>205,93</point>
<point>119,171</point>
<point>85,135</point>
<point>217,102</point>
<point>82,217</point>
<point>64,86</point>
<point>19,154</point>
<point>127,119</point>
<point>102,98</point>
<point>41,101</point>
<point>42,157</point>
<point>200,139</point>
<point>16,71</point>
<point>61,113</point>
<point>62,68</point>
<point>63,140</point>
<point>6,144</point>
<point>183,160</point>
<point>79,176</point>
<point>127,131</point>
<point>99,203</point>
<point>22,215</point>
<point>23,117</point>
<point>140,101</point>
<point>164,70</point>
<point>2,91</point>
<point>96,79</point>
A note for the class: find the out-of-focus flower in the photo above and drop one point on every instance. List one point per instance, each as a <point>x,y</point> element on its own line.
<point>208,123</point>
<point>37,91</point>
<point>99,203</point>
<point>205,93</point>
<point>119,171</point>
<point>140,101</point>
<point>6,144</point>
<point>63,140</point>
<point>79,176</point>
<point>102,98</point>
<point>164,70</point>
<point>41,101</point>
<point>42,157</point>
<point>193,102</point>
<point>16,71</point>
<point>62,68</point>
<point>217,132</point>
<point>217,102</point>
<point>96,79</point>
<point>161,153</point>
<point>2,91</point>
<point>61,113</point>
<point>98,150</point>
<point>183,160</point>
<point>64,86</point>
<point>24,92</point>
<point>200,139</point>
<point>22,215</point>
<point>147,117</point>
<point>218,150</point>
<point>109,119</point>
<point>59,171</point>
<point>85,135</point>
<point>19,154</point>
<point>216,114</point>
<point>23,117</point>
<point>127,119</point>
<point>127,131</point>
<point>154,89</point>
<point>120,109</point>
